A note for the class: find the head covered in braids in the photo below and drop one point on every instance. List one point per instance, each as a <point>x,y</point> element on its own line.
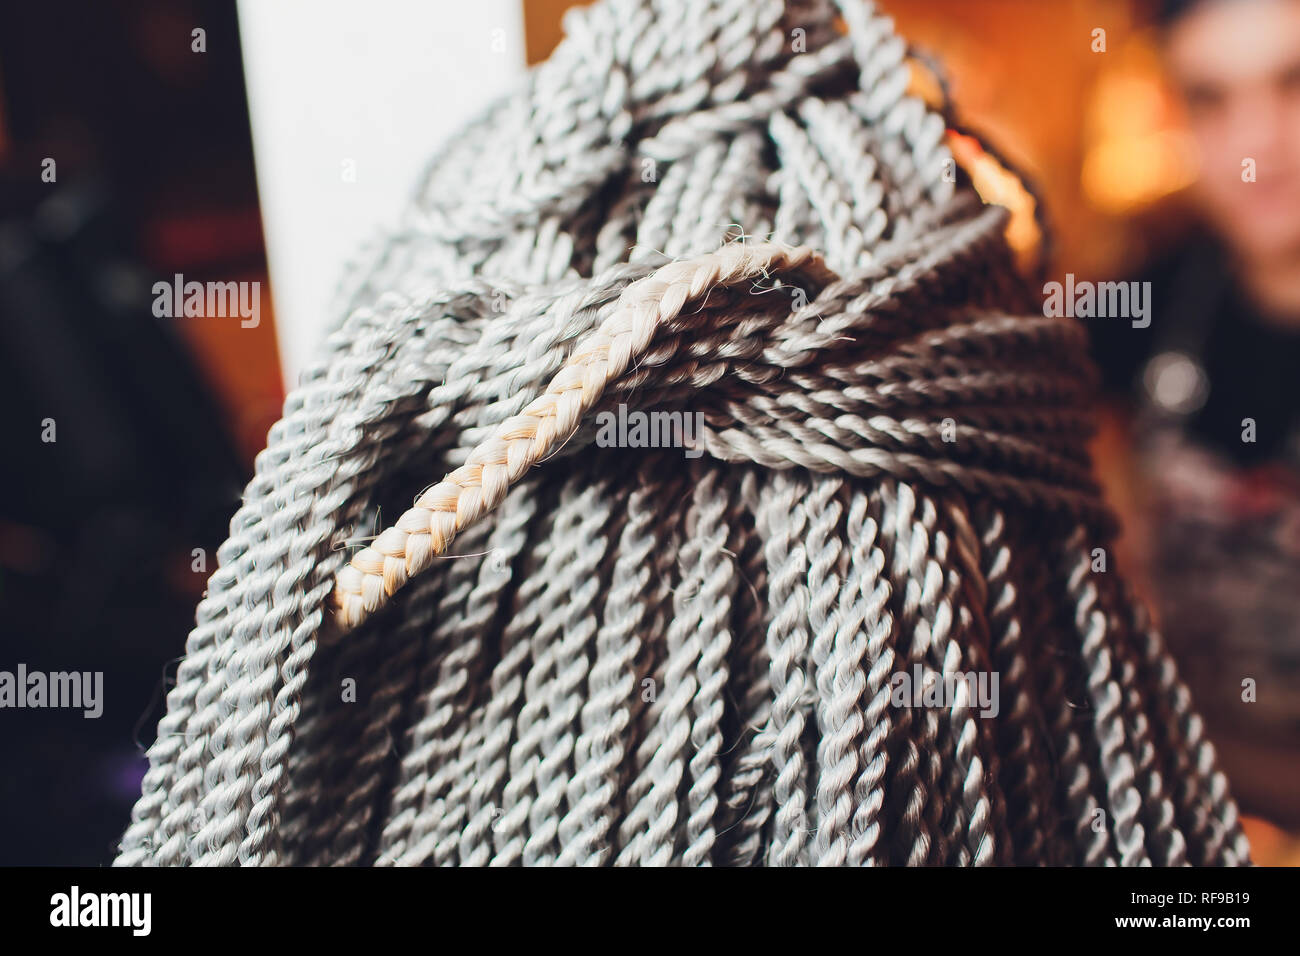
<point>568,653</point>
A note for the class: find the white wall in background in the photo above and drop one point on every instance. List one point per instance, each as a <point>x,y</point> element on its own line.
<point>378,83</point>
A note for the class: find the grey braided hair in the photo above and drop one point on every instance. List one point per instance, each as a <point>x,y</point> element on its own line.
<point>572,654</point>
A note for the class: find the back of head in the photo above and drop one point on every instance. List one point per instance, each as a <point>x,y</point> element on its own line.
<point>765,530</point>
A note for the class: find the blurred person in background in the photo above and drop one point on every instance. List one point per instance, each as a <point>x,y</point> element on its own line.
<point>1211,394</point>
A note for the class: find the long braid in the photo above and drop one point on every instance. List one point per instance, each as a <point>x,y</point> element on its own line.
<point>973,598</point>
<point>871,608</point>
<point>711,602</point>
<point>1166,843</point>
<point>483,608</point>
<point>1023,756</point>
<point>747,803</point>
<point>1103,689</point>
<point>607,715</point>
<point>918,810</point>
<point>576,628</point>
<point>1207,816</point>
<point>782,519</point>
<point>652,670</point>
<point>838,722</point>
<point>1082,840</point>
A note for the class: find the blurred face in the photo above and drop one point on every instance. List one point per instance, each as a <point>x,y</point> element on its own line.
<point>1237,65</point>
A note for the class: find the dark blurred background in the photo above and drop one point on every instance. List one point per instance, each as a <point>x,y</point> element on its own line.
<point>108,533</point>
<point>155,420</point>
